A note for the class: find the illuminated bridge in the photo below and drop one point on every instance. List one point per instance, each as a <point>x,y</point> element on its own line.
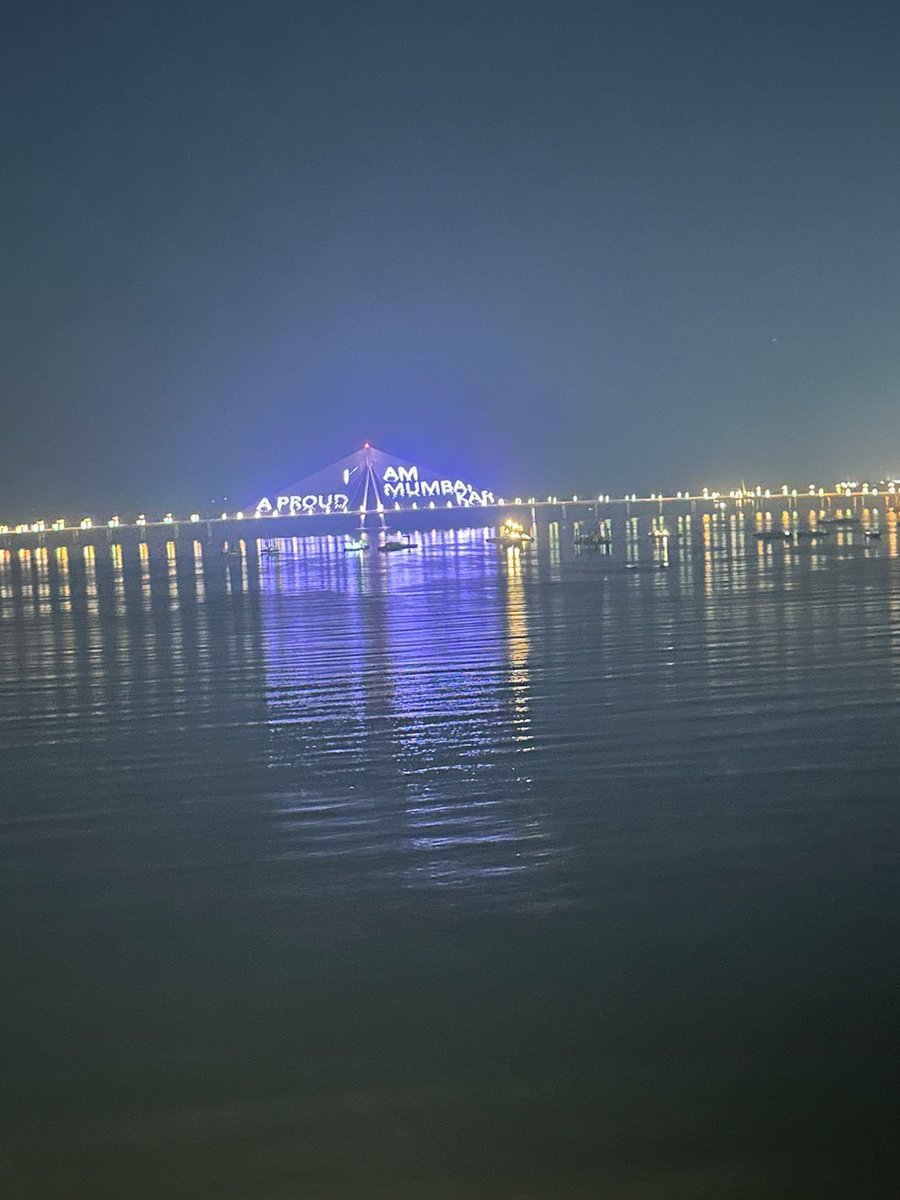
<point>369,483</point>
<point>374,490</point>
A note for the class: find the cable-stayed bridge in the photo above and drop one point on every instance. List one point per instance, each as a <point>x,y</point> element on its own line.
<point>371,483</point>
<point>371,489</point>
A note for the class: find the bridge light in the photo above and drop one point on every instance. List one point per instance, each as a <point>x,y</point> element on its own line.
<point>195,517</point>
<point>239,515</point>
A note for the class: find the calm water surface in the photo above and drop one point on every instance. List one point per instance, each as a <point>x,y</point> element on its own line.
<point>452,874</point>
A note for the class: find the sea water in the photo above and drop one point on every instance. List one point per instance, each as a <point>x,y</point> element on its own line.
<point>452,873</point>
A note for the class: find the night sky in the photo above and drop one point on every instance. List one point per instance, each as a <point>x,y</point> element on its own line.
<point>555,246</point>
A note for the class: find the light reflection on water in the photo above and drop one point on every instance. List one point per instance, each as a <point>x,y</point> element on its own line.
<point>419,688</point>
<point>576,838</point>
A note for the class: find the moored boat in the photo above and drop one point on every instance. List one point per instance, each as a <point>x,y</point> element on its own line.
<point>511,533</point>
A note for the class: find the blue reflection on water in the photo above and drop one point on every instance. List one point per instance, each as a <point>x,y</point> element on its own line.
<point>412,687</point>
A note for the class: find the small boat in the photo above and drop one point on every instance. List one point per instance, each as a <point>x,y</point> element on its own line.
<point>354,545</point>
<point>774,535</point>
<point>872,533</point>
<point>270,551</point>
<point>511,533</point>
<point>594,540</point>
<point>392,545</point>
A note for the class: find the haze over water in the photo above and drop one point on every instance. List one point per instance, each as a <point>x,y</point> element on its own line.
<point>457,873</point>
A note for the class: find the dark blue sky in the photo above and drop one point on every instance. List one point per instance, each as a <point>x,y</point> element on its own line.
<point>557,245</point>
